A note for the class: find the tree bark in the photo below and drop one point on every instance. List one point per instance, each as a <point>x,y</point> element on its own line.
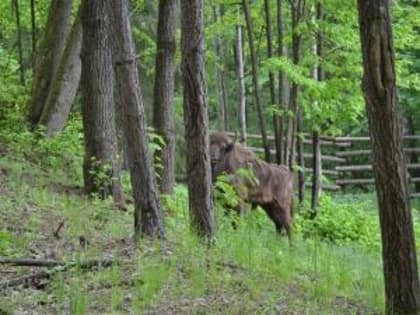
<point>163,120</point>
<point>239,58</point>
<point>65,83</point>
<point>49,56</point>
<point>19,42</point>
<point>148,218</point>
<point>254,64</point>
<point>402,287</point>
<point>100,167</point>
<point>195,117</point>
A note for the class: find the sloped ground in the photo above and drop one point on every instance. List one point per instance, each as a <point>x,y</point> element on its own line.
<point>257,274</point>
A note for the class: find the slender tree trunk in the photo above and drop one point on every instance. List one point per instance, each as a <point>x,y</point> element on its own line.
<point>101,167</point>
<point>224,70</point>
<point>301,158</point>
<point>241,82</point>
<point>163,120</point>
<point>269,34</point>
<point>254,63</point>
<point>65,83</point>
<point>297,9</point>
<point>316,173</point>
<point>19,41</point>
<point>318,74</point>
<point>219,84</point>
<point>195,117</point>
<point>148,219</point>
<point>282,136</point>
<point>33,34</point>
<point>49,56</point>
<point>402,286</point>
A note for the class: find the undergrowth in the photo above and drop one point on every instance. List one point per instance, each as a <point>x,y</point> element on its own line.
<point>334,266</point>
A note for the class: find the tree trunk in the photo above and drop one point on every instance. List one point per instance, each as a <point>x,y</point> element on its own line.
<point>318,74</point>
<point>49,56</point>
<point>257,97</point>
<point>316,173</point>
<point>163,120</point>
<point>224,80</point>
<point>33,34</point>
<point>195,117</point>
<point>19,41</point>
<point>241,82</point>
<point>402,287</point>
<point>271,82</point>
<point>101,167</point>
<point>219,77</point>
<point>281,137</point>
<point>65,83</point>
<point>301,159</point>
<point>297,8</point>
<point>148,219</point>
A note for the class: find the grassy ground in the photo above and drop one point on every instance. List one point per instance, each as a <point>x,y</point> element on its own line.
<point>334,266</point>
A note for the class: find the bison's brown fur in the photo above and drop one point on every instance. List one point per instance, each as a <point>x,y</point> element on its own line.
<point>272,189</point>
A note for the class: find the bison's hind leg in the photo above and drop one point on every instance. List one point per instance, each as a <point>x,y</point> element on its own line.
<point>281,219</point>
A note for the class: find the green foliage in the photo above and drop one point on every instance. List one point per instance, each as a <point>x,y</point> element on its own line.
<point>352,222</point>
<point>225,194</point>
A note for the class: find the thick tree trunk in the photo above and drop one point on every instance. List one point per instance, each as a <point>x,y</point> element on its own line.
<point>254,64</point>
<point>402,287</point>
<point>163,120</point>
<point>64,84</point>
<point>101,167</point>
<point>19,42</point>
<point>49,56</point>
<point>195,117</point>
<point>239,58</point>
<point>148,218</point>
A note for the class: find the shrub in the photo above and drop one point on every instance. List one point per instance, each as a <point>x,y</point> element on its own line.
<point>343,223</point>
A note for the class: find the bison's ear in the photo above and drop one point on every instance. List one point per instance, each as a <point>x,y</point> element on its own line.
<point>229,147</point>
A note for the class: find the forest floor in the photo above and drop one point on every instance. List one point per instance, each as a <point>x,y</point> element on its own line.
<point>45,216</point>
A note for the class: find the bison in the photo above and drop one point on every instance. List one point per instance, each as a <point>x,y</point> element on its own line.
<point>272,185</point>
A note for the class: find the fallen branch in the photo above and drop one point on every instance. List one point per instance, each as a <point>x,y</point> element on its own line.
<point>28,262</point>
<point>43,275</point>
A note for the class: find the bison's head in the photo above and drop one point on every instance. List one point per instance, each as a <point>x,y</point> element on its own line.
<point>220,146</point>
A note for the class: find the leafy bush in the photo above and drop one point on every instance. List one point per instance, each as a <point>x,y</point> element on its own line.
<point>343,223</point>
